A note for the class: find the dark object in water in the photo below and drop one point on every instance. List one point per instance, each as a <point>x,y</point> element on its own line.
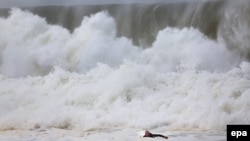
<point>148,134</point>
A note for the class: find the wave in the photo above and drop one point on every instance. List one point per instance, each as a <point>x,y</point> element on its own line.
<point>31,46</point>
<point>89,77</point>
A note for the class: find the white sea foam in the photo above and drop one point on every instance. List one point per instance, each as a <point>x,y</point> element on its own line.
<point>178,49</point>
<point>90,79</point>
<point>28,41</point>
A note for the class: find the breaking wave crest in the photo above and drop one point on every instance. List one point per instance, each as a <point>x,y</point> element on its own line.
<point>91,78</point>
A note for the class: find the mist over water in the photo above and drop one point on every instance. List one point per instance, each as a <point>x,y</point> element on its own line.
<point>180,65</point>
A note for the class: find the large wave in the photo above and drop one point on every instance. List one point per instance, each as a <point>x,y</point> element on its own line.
<point>30,46</point>
<point>91,78</point>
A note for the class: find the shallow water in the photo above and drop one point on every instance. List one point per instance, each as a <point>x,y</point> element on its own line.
<point>104,135</point>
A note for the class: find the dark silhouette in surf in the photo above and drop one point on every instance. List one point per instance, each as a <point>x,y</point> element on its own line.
<point>148,134</point>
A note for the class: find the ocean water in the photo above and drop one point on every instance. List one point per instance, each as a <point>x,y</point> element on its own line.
<point>109,71</point>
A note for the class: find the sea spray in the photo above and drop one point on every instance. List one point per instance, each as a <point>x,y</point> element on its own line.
<point>188,49</point>
<point>38,46</point>
<point>91,79</point>
<point>126,97</point>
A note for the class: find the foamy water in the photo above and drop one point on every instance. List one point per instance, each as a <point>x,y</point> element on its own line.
<point>90,80</point>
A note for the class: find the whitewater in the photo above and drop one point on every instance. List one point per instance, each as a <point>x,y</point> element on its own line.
<point>95,82</point>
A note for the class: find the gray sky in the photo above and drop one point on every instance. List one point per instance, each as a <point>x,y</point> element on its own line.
<point>20,3</point>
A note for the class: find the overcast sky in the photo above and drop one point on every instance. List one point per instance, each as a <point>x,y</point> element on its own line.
<point>17,3</point>
<point>20,3</point>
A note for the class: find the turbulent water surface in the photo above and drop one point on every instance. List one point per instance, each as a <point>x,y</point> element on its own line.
<point>171,66</point>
